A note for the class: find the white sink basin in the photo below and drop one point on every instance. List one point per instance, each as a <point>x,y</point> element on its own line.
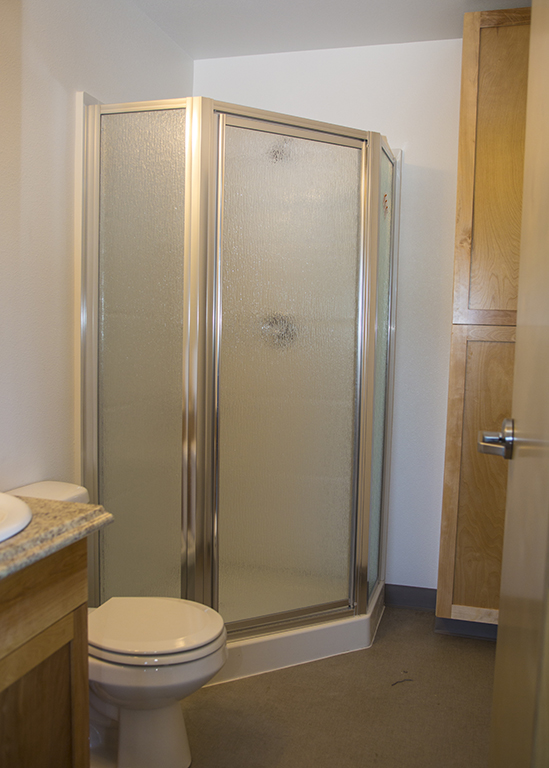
<point>14,515</point>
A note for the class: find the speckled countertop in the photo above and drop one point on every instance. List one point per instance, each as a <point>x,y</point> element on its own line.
<point>54,525</point>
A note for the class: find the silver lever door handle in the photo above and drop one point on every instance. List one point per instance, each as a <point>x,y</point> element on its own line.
<point>498,443</point>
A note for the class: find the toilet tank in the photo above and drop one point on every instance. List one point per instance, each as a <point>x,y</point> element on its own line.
<point>54,490</point>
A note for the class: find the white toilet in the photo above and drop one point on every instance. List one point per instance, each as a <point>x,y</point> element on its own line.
<point>145,654</point>
<point>53,490</point>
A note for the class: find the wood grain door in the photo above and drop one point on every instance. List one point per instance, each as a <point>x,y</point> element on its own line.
<point>520,724</point>
<point>486,264</point>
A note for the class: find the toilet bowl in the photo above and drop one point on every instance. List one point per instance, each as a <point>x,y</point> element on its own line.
<point>145,655</point>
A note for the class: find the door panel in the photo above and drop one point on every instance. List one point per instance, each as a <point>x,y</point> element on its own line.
<point>481,510</point>
<point>520,733</point>
<point>488,220</point>
<point>501,113</point>
<point>290,292</point>
<point>481,375</point>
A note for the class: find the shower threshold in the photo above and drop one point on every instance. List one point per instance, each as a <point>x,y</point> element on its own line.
<point>278,650</point>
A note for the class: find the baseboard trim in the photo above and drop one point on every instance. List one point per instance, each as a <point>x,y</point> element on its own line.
<point>473,629</point>
<point>420,598</point>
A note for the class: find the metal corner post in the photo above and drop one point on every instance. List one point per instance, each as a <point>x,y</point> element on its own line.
<point>87,219</point>
<point>199,318</point>
<point>371,238</point>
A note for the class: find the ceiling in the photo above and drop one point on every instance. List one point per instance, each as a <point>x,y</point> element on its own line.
<point>208,29</point>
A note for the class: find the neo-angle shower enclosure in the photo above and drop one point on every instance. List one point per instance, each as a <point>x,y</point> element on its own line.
<point>238,315</point>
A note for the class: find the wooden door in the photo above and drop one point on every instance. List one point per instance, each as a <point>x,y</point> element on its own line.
<point>487,246</point>
<point>520,724</point>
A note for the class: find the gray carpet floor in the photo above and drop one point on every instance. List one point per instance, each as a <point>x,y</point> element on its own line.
<point>415,699</point>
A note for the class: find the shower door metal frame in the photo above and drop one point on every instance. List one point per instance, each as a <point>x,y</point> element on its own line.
<point>379,146</point>
<point>205,120</point>
<point>87,251</point>
<point>370,145</point>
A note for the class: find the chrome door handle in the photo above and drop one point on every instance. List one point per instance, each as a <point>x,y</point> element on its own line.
<point>498,443</point>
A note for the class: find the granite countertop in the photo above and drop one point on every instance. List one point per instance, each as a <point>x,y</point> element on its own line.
<point>54,525</point>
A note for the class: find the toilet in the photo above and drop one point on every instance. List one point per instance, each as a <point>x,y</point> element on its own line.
<point>54,490</point>
<point>145,654</point>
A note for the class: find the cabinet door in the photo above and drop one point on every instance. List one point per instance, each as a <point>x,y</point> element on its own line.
<point>490,162</point>
<point>481,381</point>
<point>44,663</point>
<point>489,195</point>
<point>35,715</point>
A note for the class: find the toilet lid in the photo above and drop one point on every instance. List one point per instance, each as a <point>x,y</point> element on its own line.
<point>152,625</point>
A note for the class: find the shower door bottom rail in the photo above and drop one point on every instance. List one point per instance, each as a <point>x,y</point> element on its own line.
<point>278,622</point>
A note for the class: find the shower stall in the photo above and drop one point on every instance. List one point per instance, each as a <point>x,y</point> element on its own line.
<point>238,311</point>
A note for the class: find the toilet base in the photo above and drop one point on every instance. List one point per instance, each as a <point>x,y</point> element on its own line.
<point>154,738</point>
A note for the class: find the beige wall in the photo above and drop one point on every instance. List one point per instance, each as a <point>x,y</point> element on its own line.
<point>49,50</point>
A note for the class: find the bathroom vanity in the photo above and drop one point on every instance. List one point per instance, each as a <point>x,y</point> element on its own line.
<point>43,637</point>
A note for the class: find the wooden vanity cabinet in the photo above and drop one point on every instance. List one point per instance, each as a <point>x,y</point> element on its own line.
<point>486,266</point>
<point>44,663</point>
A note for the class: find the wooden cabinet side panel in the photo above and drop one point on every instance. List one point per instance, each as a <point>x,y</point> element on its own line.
<point>79,689</point>
<point>483,478</point>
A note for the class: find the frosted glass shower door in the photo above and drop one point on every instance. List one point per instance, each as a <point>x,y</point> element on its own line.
<point>289,313</point>
<point>140,350</point>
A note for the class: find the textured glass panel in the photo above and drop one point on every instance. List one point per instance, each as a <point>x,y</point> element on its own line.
<point>140,350</point>
<point>287,389</point>
<point>381,361</point>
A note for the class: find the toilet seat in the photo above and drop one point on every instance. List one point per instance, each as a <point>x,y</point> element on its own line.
<point>160,660</point>
<point>154,631</point>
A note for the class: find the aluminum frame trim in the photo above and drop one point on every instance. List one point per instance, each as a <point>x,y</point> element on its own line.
<point>199,303</point>
<point>278,622</point>
<point>382,146</point>
<point>218,327</point>
<point>145,106</point>
<point>187,544</point>
<point>367,372</point>
<point>88,126</point>
<point>311,134</point>
<point>396,158</point>
<point>188,505</point>
<point>89,296</point>
<point>288,120</point>
<point>354,586</point>
<point>388,412</point>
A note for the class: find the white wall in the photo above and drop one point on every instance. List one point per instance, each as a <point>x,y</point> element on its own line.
<point>49,50</point>
<point>410,93</point>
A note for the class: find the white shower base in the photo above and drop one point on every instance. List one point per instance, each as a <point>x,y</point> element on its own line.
<point>255,655</point>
